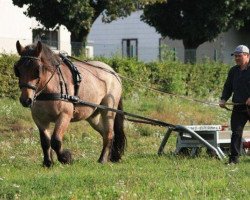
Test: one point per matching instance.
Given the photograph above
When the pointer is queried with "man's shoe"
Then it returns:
(231, 163)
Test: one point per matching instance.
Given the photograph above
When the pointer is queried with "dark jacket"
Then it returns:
(238, 83)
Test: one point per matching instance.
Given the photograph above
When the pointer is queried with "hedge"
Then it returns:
(8, 82)
(194, 80)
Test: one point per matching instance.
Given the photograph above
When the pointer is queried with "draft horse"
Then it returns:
(48, 86)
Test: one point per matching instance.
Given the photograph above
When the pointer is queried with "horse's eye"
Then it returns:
(37, 74)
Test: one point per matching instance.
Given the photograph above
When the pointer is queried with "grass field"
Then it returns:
(141, 174)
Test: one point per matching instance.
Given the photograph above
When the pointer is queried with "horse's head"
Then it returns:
(27, 69)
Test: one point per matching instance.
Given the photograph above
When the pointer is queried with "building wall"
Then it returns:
(220, 49)
(16, 26)
(107, 38)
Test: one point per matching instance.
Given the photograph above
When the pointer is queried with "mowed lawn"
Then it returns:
(141, 174)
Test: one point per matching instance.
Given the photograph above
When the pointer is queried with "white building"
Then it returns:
(128, 37)
(133, 38)
(16, 26)
(220, 49)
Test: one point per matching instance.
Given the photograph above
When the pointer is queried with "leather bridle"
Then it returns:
(35, 87)
(28, 85)
(63, 94)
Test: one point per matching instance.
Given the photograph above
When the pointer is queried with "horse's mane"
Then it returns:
(49, 57)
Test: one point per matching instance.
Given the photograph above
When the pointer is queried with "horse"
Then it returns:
(50, 89)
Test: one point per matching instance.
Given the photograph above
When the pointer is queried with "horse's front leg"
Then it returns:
(64, 156)
(45, 143)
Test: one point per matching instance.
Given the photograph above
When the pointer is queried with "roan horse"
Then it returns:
(49, 88)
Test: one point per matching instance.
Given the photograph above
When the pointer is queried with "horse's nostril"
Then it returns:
(26, 102)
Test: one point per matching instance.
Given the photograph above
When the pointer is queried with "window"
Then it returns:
(130, 48)
(48, 37)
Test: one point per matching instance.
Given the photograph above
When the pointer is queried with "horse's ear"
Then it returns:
(19, 47)
(39, 47)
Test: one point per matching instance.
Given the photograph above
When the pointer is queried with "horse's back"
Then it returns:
(103, 72)
(100, 64)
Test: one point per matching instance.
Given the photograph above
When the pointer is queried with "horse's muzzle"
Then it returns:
(26, 102)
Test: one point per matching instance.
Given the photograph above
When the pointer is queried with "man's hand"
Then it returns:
(248, 102)
(222, 103)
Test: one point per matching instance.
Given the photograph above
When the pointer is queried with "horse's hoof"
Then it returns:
(47, 163)
(65, 157)
(102, 161)
(115, 157)
(115, 160)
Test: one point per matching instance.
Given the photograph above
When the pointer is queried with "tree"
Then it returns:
(78, 15)
(194, 21)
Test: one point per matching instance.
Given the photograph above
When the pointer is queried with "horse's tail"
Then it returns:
(119, 140)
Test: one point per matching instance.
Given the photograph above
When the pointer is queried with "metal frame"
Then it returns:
(181, 130)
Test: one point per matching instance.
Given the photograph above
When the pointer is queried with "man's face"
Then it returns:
(241, 58)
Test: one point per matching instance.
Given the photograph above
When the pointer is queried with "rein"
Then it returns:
(58, 96)
(77, 79)
(238, 104)
(47, 82)
(160, 91)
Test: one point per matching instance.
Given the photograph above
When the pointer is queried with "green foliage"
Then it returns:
(199, 80)
(77, 15)
(169, 76)
(141, 174)
(167, 54)
(8, 81)
(133, 71)
(203, 80)
(196, 21)
(206, 79)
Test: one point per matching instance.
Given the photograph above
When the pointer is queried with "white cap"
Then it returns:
(240, 49)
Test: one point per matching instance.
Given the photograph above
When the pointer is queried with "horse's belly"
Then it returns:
(82, 112)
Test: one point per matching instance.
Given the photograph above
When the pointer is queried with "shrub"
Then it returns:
(133, 72)
(196, 80)
(170, 76)
(8, 81)
(203, 80)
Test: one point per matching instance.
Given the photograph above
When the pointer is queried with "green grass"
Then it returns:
(141, 174)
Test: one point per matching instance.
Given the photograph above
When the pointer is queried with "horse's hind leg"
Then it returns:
(64, 156)
(103, 123)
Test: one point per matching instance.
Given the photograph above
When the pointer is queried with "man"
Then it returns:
(238, 84)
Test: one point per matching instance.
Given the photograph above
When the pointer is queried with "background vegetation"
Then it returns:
(200, 80)
(178, 19)
(141, 174)
(77, 15)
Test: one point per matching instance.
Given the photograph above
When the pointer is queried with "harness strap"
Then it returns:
(75, 73)
(57, 96)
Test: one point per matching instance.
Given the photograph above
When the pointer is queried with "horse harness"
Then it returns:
(63, 95)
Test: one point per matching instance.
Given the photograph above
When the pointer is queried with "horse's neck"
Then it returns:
(53, 79)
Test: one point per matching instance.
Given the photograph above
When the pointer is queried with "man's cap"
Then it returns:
(240, 49)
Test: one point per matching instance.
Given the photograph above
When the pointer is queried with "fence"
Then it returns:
(143, 53)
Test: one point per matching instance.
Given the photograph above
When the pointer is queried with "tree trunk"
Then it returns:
(189, 55)
(79, 42)
(190, 48)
